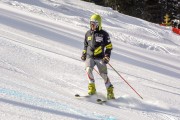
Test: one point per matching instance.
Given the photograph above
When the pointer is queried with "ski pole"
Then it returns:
(126, 81)
(97, 71)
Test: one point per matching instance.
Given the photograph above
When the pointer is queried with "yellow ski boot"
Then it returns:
(91, 89)
(110, 93)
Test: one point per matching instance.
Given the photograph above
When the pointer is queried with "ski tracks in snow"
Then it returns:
(39, 87)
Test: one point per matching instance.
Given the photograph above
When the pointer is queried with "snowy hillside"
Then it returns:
(41, 42)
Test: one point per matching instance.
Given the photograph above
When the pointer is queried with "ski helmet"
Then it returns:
(97, 18)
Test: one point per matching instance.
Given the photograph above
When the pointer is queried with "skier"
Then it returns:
(97, 51)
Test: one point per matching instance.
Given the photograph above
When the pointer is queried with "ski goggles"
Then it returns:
(94, 23)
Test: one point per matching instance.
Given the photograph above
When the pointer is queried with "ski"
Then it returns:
(100, 101)
(79, 96)
(97, 100)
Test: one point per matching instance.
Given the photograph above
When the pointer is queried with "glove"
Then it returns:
(83, 57)
(106, 59)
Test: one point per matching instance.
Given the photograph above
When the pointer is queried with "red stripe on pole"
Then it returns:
(126, 82)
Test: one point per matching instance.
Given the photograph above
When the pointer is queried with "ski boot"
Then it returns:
(110, 93)
(91, 89)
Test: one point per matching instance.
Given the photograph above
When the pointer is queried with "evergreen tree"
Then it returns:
(150, 10)
(167, 21)
(170, 7)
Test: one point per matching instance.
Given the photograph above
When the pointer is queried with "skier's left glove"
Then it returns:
(83, 57)
(106, 59)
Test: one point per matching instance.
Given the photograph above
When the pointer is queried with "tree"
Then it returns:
(150, 10)
(170, 7)
(167, 21)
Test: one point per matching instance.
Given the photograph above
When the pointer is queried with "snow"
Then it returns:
(41, 42)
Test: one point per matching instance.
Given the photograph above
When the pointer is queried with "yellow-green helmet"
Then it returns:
(97, 18)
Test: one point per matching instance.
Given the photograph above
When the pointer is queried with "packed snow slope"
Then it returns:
(41, 42)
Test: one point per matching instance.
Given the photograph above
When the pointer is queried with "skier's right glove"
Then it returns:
(83, 57)
(106, 59)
